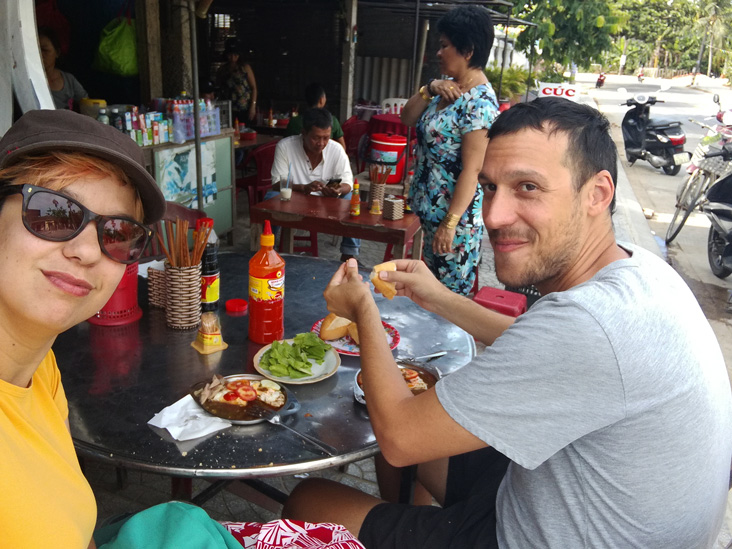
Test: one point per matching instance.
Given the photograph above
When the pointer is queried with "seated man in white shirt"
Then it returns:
(314, 160)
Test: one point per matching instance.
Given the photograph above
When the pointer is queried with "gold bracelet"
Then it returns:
(424, 95)
(451, 220)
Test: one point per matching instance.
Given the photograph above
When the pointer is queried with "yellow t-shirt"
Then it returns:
(45, 501)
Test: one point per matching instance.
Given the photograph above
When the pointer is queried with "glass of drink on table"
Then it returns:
(286, 187)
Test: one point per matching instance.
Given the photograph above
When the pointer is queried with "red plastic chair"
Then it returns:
(259, 183)
(353, 130)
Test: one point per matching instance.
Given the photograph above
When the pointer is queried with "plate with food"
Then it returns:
(244, 398)
(417, 378)
(303, 359)
(342, 334)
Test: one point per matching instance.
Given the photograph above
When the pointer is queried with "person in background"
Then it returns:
(315, 98)
(65, 89)
(237, 82)
(313, 160)
(451, 116)
(609, 396)
(207, 90)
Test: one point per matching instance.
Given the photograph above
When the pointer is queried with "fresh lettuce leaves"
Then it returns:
(283, 359)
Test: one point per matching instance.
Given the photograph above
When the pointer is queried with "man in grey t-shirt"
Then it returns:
(610, 396)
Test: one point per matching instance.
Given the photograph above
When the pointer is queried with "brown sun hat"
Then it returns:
(62, 130)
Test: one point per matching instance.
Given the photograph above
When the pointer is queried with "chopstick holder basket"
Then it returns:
(182, 296)
(156, 287)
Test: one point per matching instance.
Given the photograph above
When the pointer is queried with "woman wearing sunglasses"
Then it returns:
(74, 201)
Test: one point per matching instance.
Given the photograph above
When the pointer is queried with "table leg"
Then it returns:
(400, 250)
(417, 244)
(287, 240)
(255, 231)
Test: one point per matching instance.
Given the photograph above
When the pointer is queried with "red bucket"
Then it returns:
(122, 307)
(388, 149)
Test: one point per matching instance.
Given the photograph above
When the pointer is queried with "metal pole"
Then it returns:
(412, 83)
(503, 54)
(415, 37)
(196, 99)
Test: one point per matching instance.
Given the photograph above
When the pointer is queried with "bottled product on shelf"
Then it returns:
(102, 116)
(266, 291)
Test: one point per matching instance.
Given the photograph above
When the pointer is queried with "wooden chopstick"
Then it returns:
(170, 235)
(162, 247)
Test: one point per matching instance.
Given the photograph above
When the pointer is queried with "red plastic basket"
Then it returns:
(122, 307)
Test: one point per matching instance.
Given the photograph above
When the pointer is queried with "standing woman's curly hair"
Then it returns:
(470, 29)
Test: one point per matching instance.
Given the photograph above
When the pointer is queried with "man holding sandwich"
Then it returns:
(609, 396)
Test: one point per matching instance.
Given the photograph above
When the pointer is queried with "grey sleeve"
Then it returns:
(548, 380)
(76, 90)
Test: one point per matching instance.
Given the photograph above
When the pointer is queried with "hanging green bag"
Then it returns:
(117, 51)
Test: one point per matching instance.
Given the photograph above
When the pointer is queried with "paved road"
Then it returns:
(656, 192)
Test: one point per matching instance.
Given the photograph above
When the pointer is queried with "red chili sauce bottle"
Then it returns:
(266, 291)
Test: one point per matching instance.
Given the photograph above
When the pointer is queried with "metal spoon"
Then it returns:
(423, 358)
(275, 418)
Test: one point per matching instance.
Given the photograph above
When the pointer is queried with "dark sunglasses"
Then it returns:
(54, 216)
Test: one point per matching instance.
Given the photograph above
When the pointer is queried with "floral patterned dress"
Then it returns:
(237, 88)
(438, 165)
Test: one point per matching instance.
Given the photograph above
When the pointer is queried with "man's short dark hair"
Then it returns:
(469, 28)
(590, 149)
(318, 118)
(313, 93)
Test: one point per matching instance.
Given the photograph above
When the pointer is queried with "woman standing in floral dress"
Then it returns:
(452, 116)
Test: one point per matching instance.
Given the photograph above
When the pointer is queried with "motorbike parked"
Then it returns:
(717, 206)
(658, 141)
(600, 80)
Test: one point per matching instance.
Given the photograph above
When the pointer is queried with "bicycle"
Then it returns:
(694, 187)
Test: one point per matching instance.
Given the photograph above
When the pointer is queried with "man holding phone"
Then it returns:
(316, 164)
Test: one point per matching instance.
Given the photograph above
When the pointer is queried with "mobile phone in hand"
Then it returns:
(334, 183)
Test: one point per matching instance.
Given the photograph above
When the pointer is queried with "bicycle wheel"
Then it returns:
(695, 184)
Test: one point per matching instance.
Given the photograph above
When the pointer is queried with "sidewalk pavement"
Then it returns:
(141, 489)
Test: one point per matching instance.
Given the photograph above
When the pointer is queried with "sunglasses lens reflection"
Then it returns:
(54, 217)
(123, 240)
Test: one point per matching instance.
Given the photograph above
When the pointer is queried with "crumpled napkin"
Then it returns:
(185, 420)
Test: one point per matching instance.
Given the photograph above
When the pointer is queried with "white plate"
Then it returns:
(347, 346)
(320, 371)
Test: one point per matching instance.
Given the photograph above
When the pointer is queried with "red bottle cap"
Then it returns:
(267, 238)
(236, 307)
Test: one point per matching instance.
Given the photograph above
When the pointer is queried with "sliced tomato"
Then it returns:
(230, 396)
(409, 374)
(247, 393)
(234, 385)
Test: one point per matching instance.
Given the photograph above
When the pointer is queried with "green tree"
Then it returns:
(568, 31)
(655, 33)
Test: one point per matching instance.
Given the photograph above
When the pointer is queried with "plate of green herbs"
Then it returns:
(303, 359)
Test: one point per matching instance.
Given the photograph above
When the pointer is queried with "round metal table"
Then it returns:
(117, 378)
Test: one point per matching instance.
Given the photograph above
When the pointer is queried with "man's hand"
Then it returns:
(312, 187)
(414, 280)
(335, 190)
(347, 294)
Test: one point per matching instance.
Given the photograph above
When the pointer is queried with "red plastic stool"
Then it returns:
(309, 244)
(502, 301)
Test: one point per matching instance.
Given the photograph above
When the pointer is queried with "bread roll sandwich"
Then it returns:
(334, 327)
(353, 332)
(387, 289)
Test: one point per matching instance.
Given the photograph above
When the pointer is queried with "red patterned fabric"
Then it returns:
(292, 534)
